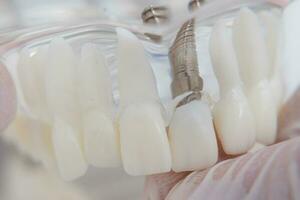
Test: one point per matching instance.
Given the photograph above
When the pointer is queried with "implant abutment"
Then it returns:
(155, 14)
(183, 59)
(195, 4)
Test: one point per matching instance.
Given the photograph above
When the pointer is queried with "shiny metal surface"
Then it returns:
(183, 59)
(155, 14)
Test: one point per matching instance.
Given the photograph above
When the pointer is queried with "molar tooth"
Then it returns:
(254, 66)
(233, 118)
(144, 143)
(61, 95)
(101, 142)
(192, 137)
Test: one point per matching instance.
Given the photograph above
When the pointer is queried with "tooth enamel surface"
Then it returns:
(32, 138)
(30, 73)
(62, 100)
(254, 66)
(271, 23)
(136, 80)
(144, 143)
(101, 142)
(67, 150)
(233, 118)
(192, 138)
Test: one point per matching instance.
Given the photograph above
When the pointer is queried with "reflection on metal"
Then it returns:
(195, 4)
(183, 59)
(155, 14)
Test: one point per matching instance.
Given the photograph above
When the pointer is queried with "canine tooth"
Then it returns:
(30, 71)
(192, 137)
(144, 143)
(254, 66)
(250, 48)
(101, 142)
(233, 118)
(67, 151)
(61, 94)
(271, 23)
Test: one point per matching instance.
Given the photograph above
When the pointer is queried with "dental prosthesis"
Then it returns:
(75, 117)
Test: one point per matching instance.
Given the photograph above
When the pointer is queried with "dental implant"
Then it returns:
(155, 14)
(184, 62)
(183, 58)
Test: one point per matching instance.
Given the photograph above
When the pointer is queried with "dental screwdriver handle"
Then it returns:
(184, 62)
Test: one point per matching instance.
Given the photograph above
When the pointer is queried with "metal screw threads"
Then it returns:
(155, 14)
(195, 4)
(183, 59)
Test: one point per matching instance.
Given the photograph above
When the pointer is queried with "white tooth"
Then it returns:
(192, 138)
(33, 138)
(61, 94)
(67, 150)
(101, 142)
(233, 118)
(254, 66)
(271, 23)
(135, 70)
(30, 71)
(144, 142)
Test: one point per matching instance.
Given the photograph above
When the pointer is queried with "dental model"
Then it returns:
(144, 143)
(31, 75)
(255, 70)
(101, 142)
(191, 132)
(62, 101)
(271, 23)
(233, 119)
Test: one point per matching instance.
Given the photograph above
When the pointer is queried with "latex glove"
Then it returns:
(270, 173)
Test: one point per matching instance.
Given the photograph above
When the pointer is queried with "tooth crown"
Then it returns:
(191, 129)
(144, 145)
(256, 70)
(72, 106)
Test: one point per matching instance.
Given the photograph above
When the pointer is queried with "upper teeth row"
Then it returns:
(73, 110)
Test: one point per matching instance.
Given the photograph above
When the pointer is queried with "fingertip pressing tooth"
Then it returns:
(144, 144)
(192, 138)
(67, 151)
